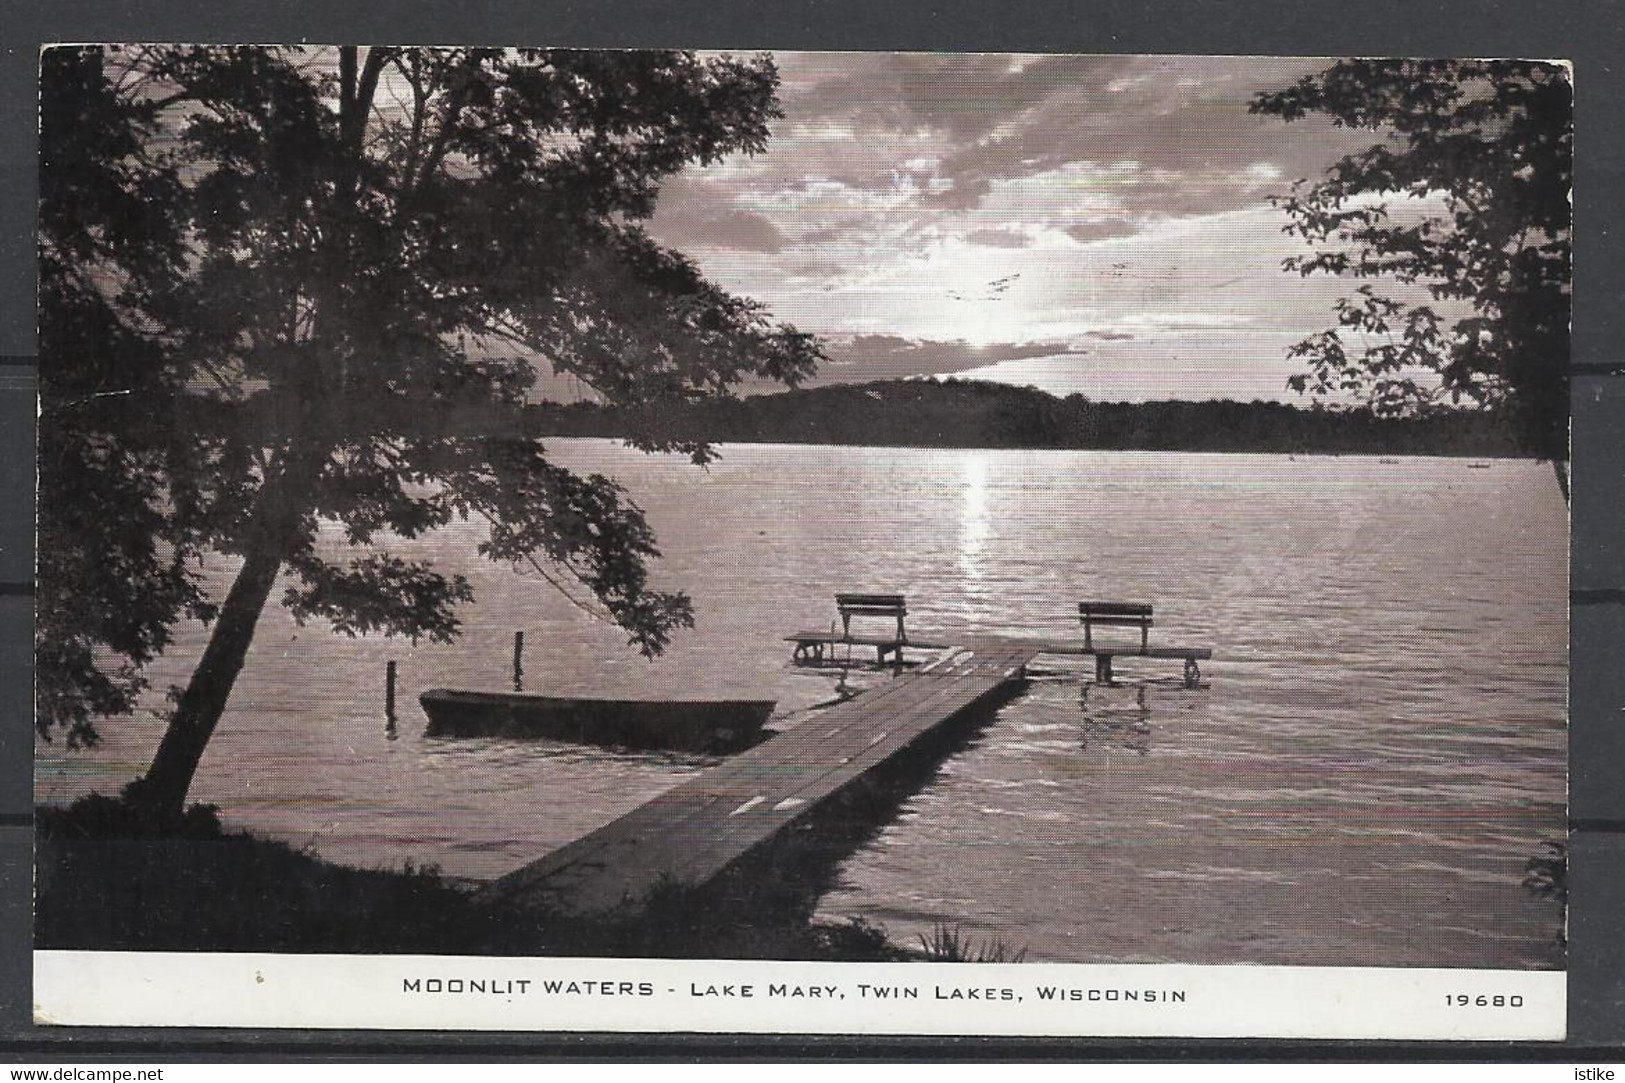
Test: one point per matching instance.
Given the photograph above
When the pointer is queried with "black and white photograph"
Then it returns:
(1023, 537)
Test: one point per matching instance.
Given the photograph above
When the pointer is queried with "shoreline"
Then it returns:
(240, 893)
(981, 415)
(1383, 457)
(203, 889)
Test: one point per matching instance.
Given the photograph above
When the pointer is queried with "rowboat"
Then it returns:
(683, 725)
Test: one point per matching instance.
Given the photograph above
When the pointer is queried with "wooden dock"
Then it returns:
(689, 835)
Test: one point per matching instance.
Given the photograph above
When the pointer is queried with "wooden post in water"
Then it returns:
(519, 661)
(389, 696)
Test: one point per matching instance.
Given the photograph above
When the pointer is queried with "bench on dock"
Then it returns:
(871, 605)
(811, 646)
(1118, 614)
(1131, 615)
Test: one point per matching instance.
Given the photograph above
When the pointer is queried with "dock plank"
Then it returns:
(748, 827)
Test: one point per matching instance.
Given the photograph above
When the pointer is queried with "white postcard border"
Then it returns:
(396, 992)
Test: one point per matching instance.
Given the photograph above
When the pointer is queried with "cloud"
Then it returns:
(1101, 229)
(1092, 146)
(960, 96)
(1185, 116)
(856, 358)
(1123, 198)
(998, 238)
(702, 226)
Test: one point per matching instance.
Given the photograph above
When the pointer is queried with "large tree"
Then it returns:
(1466, 198)
(282, 287)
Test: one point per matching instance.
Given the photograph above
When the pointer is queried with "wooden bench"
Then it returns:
(1131, 615)
(871, 605)
(810, 646)
(1116, 614)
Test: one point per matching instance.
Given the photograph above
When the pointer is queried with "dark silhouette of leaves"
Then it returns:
(288, 286)
(1479, 156)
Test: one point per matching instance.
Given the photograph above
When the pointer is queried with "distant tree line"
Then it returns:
(969, 413)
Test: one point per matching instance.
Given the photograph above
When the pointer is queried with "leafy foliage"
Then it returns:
(949, 944)
(1547, 874)
(96, 818)
(1468, 199)
(283, 287)
(114, 562)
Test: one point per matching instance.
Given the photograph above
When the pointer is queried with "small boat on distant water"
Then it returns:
(714, 726)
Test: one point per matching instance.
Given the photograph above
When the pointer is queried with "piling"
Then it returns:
(519, 661)
(389, 695)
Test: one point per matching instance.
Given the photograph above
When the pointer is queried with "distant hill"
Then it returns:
(979, 414)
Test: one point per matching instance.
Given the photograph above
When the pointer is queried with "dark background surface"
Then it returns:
(1591, 33)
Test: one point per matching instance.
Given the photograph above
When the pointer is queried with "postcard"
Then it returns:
(807, 543)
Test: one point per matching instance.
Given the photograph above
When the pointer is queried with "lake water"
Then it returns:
(1379, 747)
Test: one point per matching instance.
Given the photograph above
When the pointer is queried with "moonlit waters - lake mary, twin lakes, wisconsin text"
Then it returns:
(1378, 749)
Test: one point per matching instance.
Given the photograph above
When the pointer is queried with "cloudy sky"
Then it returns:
(1094, 224)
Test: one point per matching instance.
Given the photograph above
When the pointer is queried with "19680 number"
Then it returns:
(1464, 1000)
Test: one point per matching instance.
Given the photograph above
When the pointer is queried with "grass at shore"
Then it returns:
(102, 884)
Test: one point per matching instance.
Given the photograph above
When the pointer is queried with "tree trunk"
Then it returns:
(162, 792)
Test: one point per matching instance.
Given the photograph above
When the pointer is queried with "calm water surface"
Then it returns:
(1379, 747)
